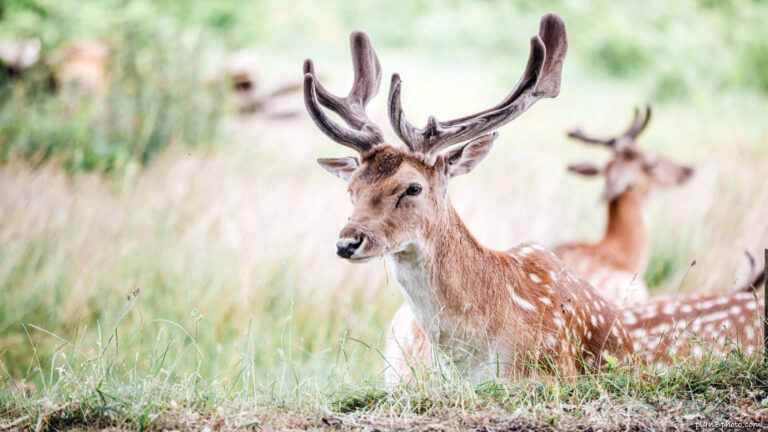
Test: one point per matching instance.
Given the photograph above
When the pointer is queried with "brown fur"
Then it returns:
(381, 163)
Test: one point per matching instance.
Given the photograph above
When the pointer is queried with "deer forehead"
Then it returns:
(389, 166)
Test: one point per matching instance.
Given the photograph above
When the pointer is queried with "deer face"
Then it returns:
(634, 171)
(398, 196)
(630, 169)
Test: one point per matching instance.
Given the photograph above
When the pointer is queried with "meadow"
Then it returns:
(168, 263)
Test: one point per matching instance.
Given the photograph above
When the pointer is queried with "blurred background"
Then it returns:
(159, 197)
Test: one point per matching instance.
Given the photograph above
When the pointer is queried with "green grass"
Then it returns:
(113, 387)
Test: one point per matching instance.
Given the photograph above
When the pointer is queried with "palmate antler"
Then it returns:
(362, 134)
(541, 79)
(638, 124)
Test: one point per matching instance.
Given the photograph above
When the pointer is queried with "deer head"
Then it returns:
(399, 193)
(631, 169)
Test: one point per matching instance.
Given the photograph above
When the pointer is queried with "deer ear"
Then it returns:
(585, 169)
(667, 173)
(342, 168)
(465, 158)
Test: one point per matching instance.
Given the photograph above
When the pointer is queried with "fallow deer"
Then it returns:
(486, 310)
(667, 328)
(82, 65)
(250, 94)
(616, 263)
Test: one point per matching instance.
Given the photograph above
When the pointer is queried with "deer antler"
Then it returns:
(638, 123)
(362, 134)
(756, 275)
(541, 79)
(635, 128)
(579, 135)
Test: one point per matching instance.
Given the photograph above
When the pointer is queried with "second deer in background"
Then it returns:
(615, 264)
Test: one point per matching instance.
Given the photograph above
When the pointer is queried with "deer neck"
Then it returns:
(449, 280)
(626, 233)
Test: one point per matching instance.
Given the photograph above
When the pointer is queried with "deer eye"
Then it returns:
(413, 190)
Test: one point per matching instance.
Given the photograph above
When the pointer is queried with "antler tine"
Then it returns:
(638, 123)
(362, 134)
(367, 68)
(579, 135)
(541, 79)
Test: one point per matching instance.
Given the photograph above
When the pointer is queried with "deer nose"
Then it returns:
(346, 247)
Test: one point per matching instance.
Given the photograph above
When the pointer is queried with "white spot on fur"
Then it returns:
(534, 277)
(629, 318)
(716, 316)
(520, 301)
(551, 341)
(546, 301)
(723, 300)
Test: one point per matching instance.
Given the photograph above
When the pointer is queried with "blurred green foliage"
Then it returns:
(156, 92)
(161, 50)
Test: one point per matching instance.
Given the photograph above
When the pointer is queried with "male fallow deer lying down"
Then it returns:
(488, 311)
(616, 263)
